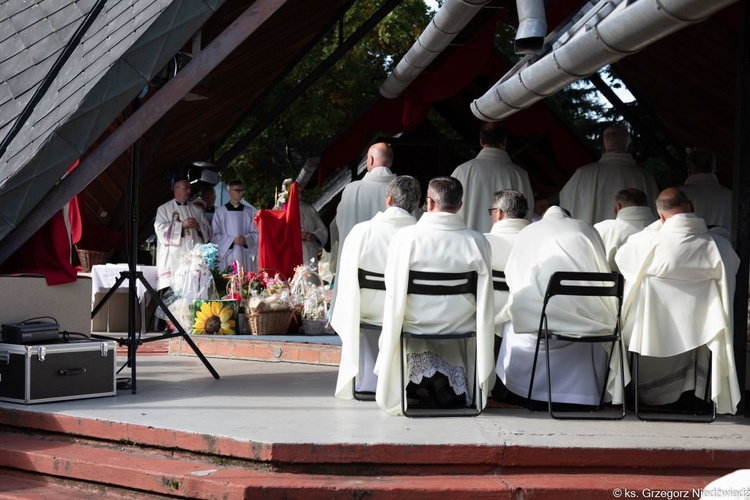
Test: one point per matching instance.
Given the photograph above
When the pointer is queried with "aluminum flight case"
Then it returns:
(57, 371)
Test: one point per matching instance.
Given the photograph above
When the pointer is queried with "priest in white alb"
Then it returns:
(711, 200)
(491, 171)
(589, 193)
(366, 248)
(557, 243)
(508, 214)
(632, 215)
(179, 225)
(680, 282)
(439, 242)
(235, 232)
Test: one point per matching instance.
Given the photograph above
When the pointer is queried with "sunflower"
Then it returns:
(214, 319)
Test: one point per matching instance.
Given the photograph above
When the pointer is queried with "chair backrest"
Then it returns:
(498, 281)
(600, 285)
(371, 279)
(436, 283)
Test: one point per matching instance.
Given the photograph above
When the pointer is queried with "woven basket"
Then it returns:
(270, 322)
(91, 258)
(314, 326)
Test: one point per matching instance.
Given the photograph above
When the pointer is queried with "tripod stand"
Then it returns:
(133, 275)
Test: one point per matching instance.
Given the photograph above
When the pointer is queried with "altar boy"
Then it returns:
(234, 231)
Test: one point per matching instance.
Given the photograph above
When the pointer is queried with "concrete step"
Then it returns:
(75, 468)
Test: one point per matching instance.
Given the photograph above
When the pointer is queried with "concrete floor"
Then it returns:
(293, 403)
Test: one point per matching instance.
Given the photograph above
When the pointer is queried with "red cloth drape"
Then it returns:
(280, 236)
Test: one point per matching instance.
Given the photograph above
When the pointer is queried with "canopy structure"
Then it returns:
(70, 70)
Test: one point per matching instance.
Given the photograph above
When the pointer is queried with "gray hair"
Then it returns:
(405, 192)
(512, 203)
(672, 199)
(446, 192)
(616, 138)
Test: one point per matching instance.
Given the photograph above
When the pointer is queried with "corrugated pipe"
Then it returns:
(308, 169)
(626, 30)
(447, 23)
(532, 27)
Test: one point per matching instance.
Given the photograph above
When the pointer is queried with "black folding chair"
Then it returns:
(498, 281)
(599, 285)
(372, 281)
(435, 283)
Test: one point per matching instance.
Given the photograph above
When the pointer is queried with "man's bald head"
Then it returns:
(379, 155)
(673, 201)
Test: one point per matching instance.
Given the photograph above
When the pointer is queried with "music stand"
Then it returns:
(133, 275)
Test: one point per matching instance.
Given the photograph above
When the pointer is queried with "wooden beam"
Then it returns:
(140, 121)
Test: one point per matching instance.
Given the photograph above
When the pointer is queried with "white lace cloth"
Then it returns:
(426, 364)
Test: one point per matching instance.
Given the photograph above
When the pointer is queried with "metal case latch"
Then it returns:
(41, 353)
(5, 357)
(103, 349)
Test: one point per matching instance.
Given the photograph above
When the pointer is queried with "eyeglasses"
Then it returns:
(490, 210)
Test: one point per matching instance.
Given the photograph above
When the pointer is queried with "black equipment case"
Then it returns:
(57, 371)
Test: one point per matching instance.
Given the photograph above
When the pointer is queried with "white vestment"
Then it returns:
(439, 242)
(310, 222)
(365, 248)
(172, 241)
(491, 171)
(712, 202)
(615, 232)
(557, 243)
(590, 193)
(227, 225)
(679, 292)
(501, 239)
(361, 200)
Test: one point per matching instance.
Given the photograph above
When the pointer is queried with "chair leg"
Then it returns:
(533, 371)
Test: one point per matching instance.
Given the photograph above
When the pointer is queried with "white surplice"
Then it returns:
(310, 222)
(501, 238)
(590, 193)
(361, 200)
(366, 248)
(679, 291)
(615, 232)
(712, 202)
(491, 171)
(172, 241)
(439, 242)
(227, 225)
(557, 243)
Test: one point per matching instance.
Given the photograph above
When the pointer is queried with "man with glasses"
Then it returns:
(179, 225)
(235, 231)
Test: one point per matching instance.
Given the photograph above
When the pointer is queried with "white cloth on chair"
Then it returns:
(679, 292)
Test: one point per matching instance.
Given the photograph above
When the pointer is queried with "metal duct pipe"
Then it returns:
(447, 23)
(308, 169)
(532, 27)
(627, 29)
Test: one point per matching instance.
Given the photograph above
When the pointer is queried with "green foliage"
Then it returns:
(336, 99)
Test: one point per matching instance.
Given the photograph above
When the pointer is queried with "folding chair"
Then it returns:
(559, 284)
(435, 283)
(373, 281)
(498, 281)
(664, 416)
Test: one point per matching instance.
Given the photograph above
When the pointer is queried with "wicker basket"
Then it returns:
(314, 326)
(91, 258)
(274, 322)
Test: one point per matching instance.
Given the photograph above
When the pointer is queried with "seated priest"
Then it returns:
(439, 242)
(366, 248)
(632, 214)
(508, 215)
(556, 243)
(680, 282)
